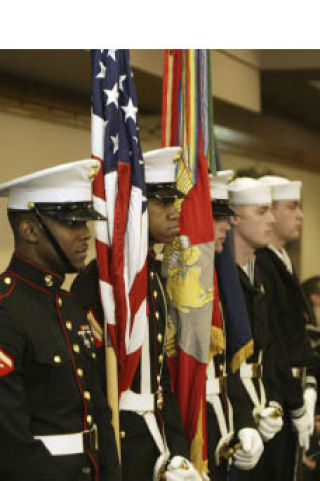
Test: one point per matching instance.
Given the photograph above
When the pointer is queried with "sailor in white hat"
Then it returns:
(290, 314)
(286, 208)
(253, 221)
(227, 402)
(54, 418)
(251, 227)
(54, 197)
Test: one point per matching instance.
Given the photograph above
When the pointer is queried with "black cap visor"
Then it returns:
(70, 211)
(164, 191)
(221, 208)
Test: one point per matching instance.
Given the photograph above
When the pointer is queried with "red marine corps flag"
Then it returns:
(189, 261)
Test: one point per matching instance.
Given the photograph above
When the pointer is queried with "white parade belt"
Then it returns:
(251, 370)
(76, 443)
(215, 385)
(140, 403)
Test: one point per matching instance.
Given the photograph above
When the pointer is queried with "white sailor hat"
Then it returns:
(248, 191)
(63, 191)
(219, 192)
(282, 188)
(160, 172)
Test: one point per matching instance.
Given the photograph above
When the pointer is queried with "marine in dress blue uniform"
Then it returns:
(54, 420)
(153, 442)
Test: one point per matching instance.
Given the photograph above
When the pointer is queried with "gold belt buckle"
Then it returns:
(90, 439)
(298, 372)
(226, 452)
(256, 370)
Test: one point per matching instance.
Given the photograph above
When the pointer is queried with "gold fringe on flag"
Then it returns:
(241, 356)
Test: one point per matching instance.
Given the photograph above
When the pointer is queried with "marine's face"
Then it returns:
(254, 224)
(163, 220)
(73, 238)
(288, 216)
(221, 227)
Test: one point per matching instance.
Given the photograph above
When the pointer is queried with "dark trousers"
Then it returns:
(138, 456)
(280, 454)
(139, 452)
(255, 474)
(277, 460)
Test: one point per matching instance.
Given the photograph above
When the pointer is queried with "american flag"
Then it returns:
(119, 192)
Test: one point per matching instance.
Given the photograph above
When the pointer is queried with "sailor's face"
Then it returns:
(163, 220)
(253, 223)
(221, 227)
(73, 238)
(288, 216)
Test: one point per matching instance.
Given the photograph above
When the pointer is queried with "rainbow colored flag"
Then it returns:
(189, 262)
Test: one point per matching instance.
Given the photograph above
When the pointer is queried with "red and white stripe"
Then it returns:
(121, 244)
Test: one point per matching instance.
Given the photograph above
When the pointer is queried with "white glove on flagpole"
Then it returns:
(302, 426)
(224, 440)
(160, 465)
(252, 447)
(269, 422)
(310, 399)
(180, 469)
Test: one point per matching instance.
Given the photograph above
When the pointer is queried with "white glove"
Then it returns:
(252, 447)
(270, 423)
(180, 469)
(302, 427)
(310, 399)
(204, 476)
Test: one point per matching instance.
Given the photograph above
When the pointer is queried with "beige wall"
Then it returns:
(236, 78)
(235, 74)
(29, 144)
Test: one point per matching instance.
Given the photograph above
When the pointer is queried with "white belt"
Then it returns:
(143, 403)
(140, 403)
(250, 370)
(225, 423)
(213, 386)
(76, 443)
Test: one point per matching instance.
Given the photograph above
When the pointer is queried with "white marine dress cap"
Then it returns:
(160, 172)
(59, 188)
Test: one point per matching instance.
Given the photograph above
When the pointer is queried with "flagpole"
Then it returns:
(112, 391)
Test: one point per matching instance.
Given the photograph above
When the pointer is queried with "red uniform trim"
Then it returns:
(74, 366)
(6, 363)
(38, 266)
(30, 283)
(9, 292)
(95, 466)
